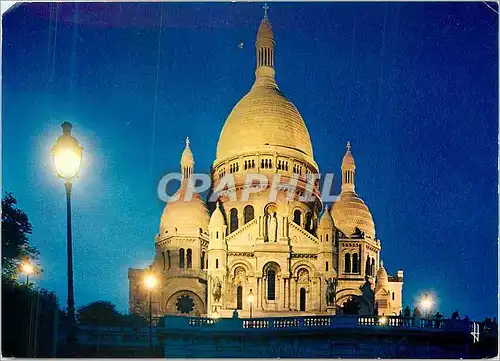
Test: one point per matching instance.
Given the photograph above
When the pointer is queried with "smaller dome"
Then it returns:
(326, 221)
(217, 218)
(382, 280)
(350, 212)
(185, 216)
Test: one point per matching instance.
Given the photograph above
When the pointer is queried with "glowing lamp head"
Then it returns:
(150, 282)
(382, 320)
(27, 268)
(426, 302)
(250, 297)
(67, 154)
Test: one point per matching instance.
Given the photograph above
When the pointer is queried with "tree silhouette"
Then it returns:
(99, 313)
(15, 231)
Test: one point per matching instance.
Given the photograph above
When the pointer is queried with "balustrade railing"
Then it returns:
(135, 336)
(340, 321)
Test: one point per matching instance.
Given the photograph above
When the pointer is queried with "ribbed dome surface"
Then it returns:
(350, 212)
(263, 117)
(185, 216)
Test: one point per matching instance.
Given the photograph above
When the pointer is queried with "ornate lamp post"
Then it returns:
(250, 300)
(67, 155)
(28, 269)
(150, 281)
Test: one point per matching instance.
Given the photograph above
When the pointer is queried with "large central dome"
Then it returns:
(264, 117)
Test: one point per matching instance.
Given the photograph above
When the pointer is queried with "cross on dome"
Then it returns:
(348, 147)
(187, 141)
(265, 7)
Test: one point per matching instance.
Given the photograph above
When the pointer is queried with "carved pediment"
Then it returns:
(245, 235)
(299, 236)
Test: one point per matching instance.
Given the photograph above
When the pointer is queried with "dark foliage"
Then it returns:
(29, 321)
(99, 313)
(15, 231)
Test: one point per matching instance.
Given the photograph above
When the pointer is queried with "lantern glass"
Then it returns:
(67, 154)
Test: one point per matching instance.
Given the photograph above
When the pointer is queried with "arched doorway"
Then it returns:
(302, 299)
(239, 298)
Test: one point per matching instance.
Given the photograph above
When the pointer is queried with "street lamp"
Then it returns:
(250, 300)
(67, 155)
(150, 282)
(28, 269)
(426, 304)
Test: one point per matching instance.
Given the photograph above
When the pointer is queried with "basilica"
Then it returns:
(262, 258)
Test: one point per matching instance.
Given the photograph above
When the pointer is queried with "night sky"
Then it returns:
(413, 86)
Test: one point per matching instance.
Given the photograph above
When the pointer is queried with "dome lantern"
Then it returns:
(264, 51)
(187, 161)
(348, 168)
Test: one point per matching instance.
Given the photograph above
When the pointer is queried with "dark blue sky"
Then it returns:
(413, 86)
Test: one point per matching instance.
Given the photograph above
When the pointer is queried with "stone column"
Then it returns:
(293, 293)
(262, 292)
(260, 226)
(283, 233)
(286, 294)
(257, 293)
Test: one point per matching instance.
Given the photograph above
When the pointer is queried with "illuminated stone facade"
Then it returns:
(293, 256)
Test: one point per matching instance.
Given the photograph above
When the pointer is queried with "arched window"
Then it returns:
(189, 256)
(308, 225)
(347, 263)
(233, 223)
(168, 259)
(355, 263)
(297, 214)
(373, 267)
(327, 237)
(239, 298)
(248, 213)
(326, 266)
(216, 263)
(164, 261)
(271, 285)
(202, 263)
(181, 258)
(367, 266)
(393, 295)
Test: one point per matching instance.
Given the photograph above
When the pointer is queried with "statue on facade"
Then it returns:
(331, 289)
(272, 227)
(217, 290)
